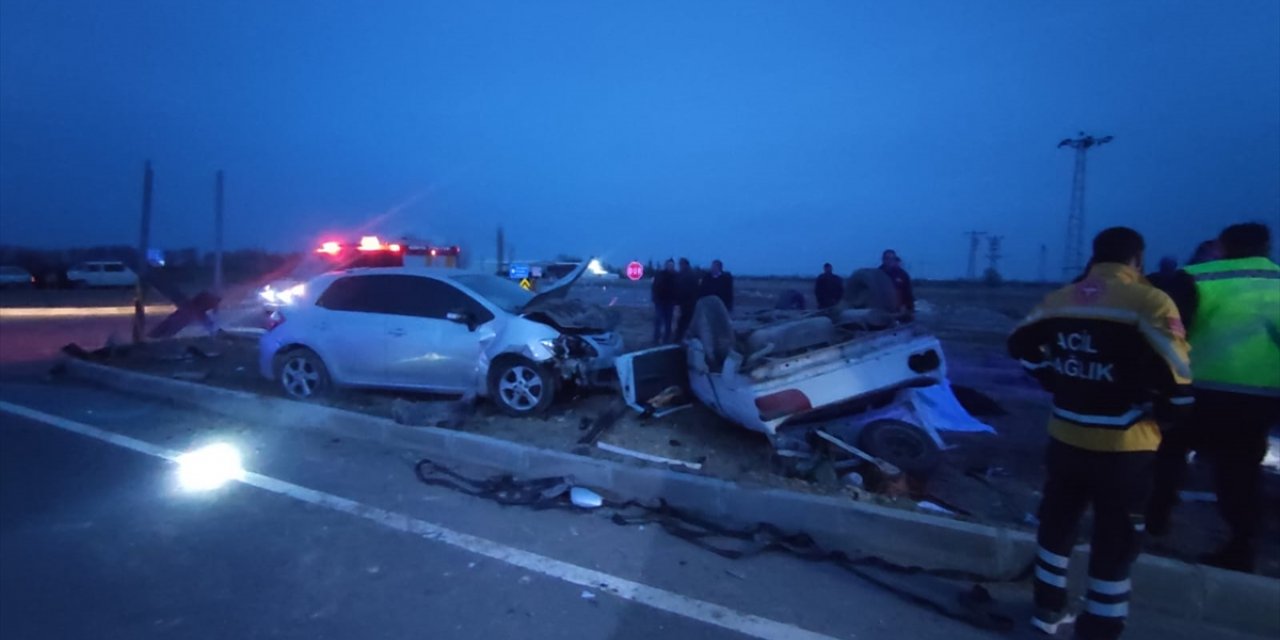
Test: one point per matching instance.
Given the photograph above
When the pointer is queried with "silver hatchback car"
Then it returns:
(438, 330)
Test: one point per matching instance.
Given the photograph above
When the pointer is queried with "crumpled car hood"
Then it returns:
(571, 315)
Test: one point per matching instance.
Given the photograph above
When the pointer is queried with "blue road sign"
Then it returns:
(518, 272)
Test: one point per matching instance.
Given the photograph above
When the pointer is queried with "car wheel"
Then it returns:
(902, 444)
(302, 375)
(521, 387)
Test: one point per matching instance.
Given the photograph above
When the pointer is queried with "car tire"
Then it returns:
(302, 374)
(901, 444)
(521, 387)
(871, 289)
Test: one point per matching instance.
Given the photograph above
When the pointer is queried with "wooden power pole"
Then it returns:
(144, 242)
(217, 235)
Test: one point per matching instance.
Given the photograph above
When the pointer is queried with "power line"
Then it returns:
(1073, 259)
(975, 240)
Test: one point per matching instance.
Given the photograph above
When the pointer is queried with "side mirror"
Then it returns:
(462, 317)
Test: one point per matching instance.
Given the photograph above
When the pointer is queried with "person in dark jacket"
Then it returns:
(891, 264)
(1180, 286)
(686, 296)
(828, 288)
(719, 283)
(665, 297)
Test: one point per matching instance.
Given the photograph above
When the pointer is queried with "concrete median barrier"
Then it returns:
(1195, 593)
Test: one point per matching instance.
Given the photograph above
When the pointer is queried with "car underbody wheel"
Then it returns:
(902, 444)
(302, 374)
(520, 386)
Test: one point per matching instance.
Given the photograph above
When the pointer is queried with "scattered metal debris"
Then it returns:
(648, 457)
(888, 469)
(605, 420)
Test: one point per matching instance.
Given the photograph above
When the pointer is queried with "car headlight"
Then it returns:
(292, 293)
(268, 295)
(570, 347)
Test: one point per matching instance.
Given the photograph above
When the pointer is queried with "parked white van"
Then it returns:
(101, 274)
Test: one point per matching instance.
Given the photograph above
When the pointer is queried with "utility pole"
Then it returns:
(1044, 263)
(144, 242)
(1073, 259)
(502, 252)
(975, 239)
(217, 235)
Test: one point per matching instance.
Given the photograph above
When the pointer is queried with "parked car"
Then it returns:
(101, 274)
(13, 277)
(438, 330)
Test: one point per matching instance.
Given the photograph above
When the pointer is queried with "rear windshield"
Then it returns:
(502, 293)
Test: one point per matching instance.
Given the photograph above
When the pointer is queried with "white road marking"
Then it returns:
(27, 313)
(669, 601)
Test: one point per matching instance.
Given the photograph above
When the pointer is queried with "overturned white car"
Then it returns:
(856, 374)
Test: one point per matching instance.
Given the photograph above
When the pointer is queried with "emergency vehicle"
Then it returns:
(368, 251)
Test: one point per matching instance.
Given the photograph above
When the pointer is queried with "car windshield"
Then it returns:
(502, 293)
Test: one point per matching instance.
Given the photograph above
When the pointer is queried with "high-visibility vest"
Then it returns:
(1235, 337)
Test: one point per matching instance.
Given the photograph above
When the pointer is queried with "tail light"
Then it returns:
(782, 403)
(275, 319)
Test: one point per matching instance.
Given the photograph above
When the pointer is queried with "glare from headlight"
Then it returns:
(267, 294)
(209, 467)
(288, 295)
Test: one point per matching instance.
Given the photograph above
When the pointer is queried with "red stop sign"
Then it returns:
(635, 270)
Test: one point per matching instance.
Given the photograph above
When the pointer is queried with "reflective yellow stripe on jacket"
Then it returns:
(1235, 338)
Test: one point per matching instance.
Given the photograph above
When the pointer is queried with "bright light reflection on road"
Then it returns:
(209, 467)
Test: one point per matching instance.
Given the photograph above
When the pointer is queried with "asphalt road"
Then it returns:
(97, 540)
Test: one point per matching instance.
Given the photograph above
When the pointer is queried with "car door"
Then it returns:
(114, 275)
(349, 330)
(428, 350)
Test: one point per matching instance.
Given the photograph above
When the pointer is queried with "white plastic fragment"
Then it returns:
(585, 498)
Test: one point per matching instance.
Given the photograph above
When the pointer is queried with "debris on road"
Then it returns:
(585, 498)
(446, 414)
(647, 457)
(925, 505)
(604, 421)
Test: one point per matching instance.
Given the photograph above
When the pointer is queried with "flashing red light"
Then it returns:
(433, 253)
(370, 243)
(395, 248)
(331, 248)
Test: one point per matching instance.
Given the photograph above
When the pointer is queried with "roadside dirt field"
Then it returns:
(984, 478)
